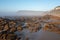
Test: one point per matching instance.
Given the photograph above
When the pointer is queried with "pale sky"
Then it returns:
(36, 5)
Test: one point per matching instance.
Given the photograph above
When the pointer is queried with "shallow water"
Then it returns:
(42, 35)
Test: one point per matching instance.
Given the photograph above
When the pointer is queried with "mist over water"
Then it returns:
(23, 13)
(8, 14)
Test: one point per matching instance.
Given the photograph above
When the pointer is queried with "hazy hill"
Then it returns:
(31, 13)
(55, 12)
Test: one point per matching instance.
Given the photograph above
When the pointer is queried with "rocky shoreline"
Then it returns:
(18, 28)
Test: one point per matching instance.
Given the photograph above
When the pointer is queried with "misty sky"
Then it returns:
(37, 5)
